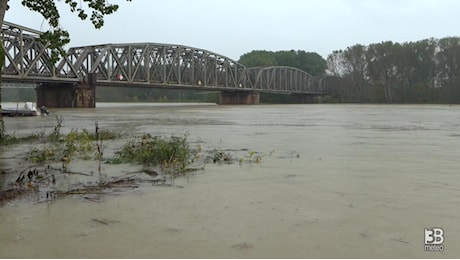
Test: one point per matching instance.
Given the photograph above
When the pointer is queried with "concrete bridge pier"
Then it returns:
(239, 98)
(68, 95)
(305, 98)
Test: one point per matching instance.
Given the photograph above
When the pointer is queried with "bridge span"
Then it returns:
(71, 82)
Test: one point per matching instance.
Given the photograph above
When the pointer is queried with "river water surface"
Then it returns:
(343, 181)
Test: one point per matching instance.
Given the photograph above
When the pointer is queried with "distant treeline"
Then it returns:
(426, 71)
(310, 62)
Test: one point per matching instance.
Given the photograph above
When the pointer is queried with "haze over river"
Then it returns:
(343, 181)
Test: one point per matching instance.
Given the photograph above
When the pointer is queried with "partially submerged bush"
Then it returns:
(64, 149)
(42, 155)
(171, 154)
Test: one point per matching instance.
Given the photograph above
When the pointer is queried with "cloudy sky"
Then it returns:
(234, 27)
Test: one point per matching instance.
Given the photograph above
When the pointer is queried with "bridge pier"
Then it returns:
(68, 95)
(239, 98)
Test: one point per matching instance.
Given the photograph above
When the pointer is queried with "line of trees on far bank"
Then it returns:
(310, 62)
(426, 71)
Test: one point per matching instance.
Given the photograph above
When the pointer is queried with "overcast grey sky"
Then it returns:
(234, 27)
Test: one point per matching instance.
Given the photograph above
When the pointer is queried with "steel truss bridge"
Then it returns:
(27, 59)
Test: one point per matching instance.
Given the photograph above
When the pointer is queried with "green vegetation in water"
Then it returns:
(172, 154)
(64, 148)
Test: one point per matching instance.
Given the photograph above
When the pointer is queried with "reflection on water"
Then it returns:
(344, 181)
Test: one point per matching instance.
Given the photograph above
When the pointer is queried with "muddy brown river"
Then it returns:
(342, 181)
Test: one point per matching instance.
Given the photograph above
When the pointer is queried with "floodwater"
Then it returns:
(343, 181)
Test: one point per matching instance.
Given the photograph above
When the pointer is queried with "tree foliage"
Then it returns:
(426, 71)
(309, 62)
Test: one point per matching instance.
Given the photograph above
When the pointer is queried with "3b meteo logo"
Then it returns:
(434, 238)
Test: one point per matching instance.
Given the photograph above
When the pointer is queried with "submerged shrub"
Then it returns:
(41, 155)
(75, 143)
(170, 153)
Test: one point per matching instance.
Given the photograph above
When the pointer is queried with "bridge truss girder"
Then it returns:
(159, 65)
(283, 79)
(28, 59)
